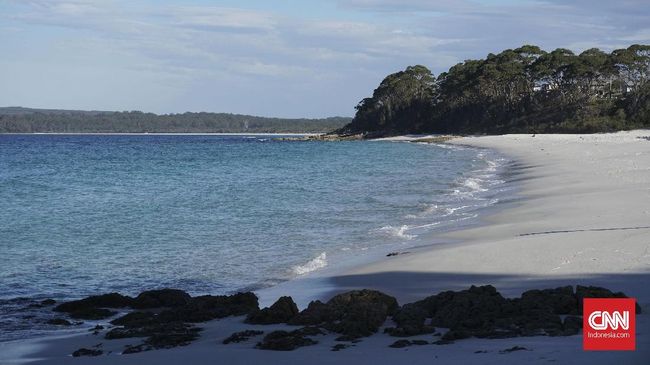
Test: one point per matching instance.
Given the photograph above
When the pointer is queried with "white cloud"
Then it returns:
(340, 56)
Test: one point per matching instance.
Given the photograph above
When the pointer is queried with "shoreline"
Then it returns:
(568, 182)
(541, 181)
(157, 134)
(321, 284)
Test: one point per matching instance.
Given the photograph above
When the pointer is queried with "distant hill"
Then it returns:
(27, 120)
(522, 90)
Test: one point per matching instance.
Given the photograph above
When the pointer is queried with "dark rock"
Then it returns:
(135, 319)
(42, 303)
(513, 349)
(171, 328)
(483, 312)
(410, 320)
(359, 320)
(538, 322)
(284, 341)
(405, 343)
(92, 313)
(59, 322)
(208, 307)
(310, 331)
(161, 298)
(560, 300)
(400, 343)
(354, 314)
(282, 311)
(343, 301)
(134, 349)
(396, 253)
(340, 346)
(360, 313)
(456, 334)
(346, 338)
(443, 342)
(241, 336)
(316, 313)
(87, 352)
(468, 308)
(572, 325)
(48, 302)
(166, 340)
(166, 335)
(149, 330)
(112, 300)
(598, 292)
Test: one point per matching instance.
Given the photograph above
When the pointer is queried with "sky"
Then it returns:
(284, 58)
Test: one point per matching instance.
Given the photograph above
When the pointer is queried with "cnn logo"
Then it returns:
(600, 320)
(608, 324)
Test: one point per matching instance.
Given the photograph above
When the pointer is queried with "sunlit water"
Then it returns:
(83, 215)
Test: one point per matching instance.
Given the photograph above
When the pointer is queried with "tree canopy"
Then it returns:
(515, 91)
(23, 120)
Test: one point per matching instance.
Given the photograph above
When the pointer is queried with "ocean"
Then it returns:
(90, 214)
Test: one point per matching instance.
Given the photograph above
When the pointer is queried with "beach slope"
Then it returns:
(581, 216)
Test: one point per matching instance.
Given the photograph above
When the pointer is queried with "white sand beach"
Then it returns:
(582, 216)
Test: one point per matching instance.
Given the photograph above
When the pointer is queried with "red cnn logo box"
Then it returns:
(608, 324)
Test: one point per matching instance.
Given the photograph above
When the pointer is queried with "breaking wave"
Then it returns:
(318, 262)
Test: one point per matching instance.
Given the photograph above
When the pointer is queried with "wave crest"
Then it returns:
(399, 232)
(318, 262)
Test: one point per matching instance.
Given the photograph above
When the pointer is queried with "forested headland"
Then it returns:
(25, 120)
(523, 90)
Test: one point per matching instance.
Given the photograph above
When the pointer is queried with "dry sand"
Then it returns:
(582, 217)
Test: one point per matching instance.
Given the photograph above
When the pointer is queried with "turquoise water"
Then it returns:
(214, 214)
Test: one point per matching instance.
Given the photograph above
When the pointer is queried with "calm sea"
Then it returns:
(213, 214)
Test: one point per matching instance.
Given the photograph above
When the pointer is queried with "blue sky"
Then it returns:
(274, 58)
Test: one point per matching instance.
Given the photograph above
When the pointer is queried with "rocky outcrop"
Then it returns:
(135, 319)
(598, 292)
(282, 311)
(285, 341)
(405, 343)
(209, 307)
(87, 352)
(59, 322)
(559, 301)
(111, 300)
(316, 313)
(354, 314)
(165, 317)
(92, 313)
(160, 298)
(241, 336)
(483, 312)
(411, 320)
(172, 327)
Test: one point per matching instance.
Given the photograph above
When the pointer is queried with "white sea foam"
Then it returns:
(318, 262)
(450, 211)
(474, 183)
(399, 232)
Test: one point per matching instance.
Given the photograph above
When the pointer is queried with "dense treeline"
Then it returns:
(23, 120)
(523, 90)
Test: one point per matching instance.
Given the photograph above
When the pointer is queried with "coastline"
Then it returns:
(569, 183)
(160, 134)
